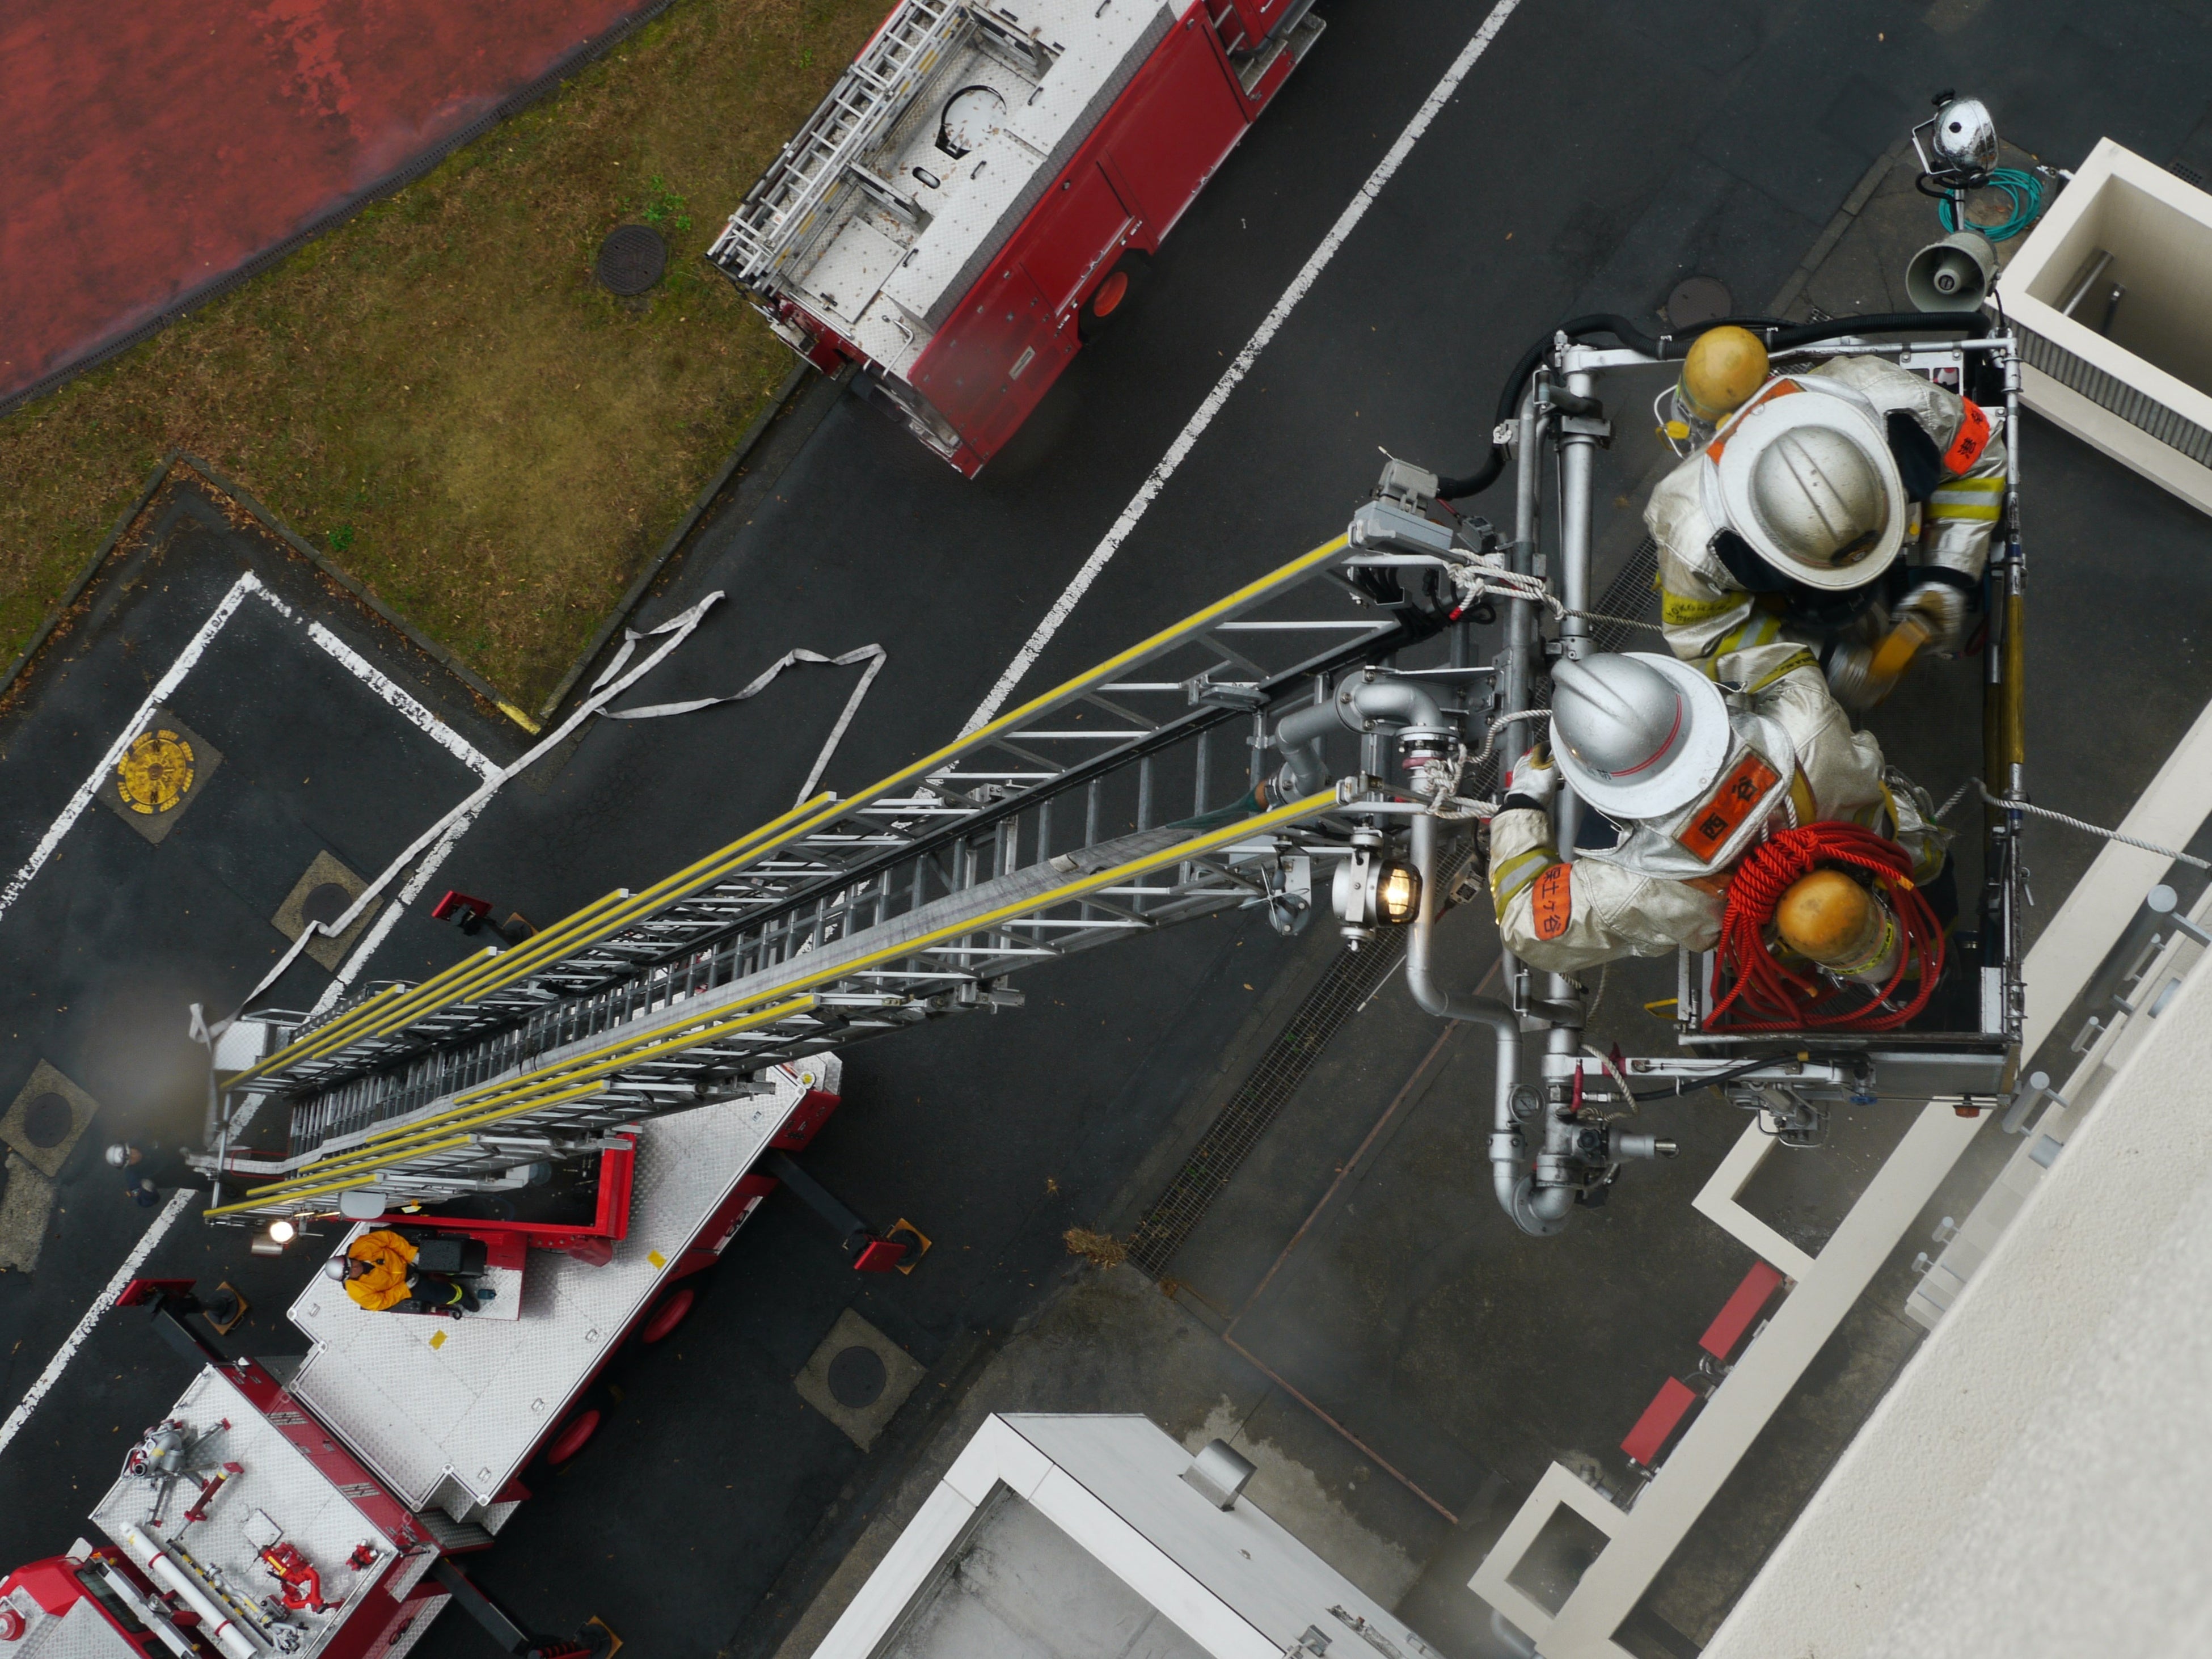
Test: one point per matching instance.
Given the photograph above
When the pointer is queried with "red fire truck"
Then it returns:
(309, 1508)
(973, 198)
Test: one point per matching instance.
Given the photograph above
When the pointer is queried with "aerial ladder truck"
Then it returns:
(976, 195)
(1325, 738)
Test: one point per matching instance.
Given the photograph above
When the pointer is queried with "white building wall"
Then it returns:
(1231, 1583)
(2034, 1483)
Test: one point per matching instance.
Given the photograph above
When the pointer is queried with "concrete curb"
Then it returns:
(784, 395)
(1824, 243)
(84, 575)
(429, 648)
(74, 597)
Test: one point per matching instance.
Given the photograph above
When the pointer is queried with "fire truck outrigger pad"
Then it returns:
(972, 199)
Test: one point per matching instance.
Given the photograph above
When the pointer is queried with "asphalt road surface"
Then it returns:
(1595, 157)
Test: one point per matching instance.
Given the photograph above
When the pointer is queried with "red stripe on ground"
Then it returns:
(154, 146)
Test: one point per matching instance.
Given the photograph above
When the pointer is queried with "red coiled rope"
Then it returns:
(1776, 998)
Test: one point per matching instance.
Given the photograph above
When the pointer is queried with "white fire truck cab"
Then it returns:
(973, 198)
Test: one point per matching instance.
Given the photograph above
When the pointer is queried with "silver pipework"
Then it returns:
(1368, 701)
(1538, 1212)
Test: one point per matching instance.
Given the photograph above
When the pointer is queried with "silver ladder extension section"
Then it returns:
(779, 215)
(1134, 796)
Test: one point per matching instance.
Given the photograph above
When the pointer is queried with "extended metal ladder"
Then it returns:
(1123, 800)
(778, 215)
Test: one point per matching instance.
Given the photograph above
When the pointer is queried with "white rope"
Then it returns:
(1611, 1070)
(2089, 829)
(1490, 738)
(1957, 795)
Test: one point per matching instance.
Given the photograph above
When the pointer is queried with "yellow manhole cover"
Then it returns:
(155, 773)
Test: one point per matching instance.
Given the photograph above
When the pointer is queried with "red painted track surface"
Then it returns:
(150, 146)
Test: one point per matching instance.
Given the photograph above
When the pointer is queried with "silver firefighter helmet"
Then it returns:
(1637, 735)
(1808, 482)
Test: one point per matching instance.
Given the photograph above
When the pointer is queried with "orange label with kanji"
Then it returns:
(1551, 901)
(1725, 810)
(1973, 438)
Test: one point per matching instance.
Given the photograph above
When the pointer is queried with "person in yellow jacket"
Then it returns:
(378, 1272)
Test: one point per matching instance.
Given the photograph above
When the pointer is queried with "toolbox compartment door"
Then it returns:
(1165, 139)
(1066, 245)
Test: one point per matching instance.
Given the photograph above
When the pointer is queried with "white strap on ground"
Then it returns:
(1339, 234)
(437, 839)
(874, 655)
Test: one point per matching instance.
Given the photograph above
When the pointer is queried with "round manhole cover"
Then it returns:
(857, 1378)
(326, 902)
(632, 258)
(47, 1120)
(1697, 299)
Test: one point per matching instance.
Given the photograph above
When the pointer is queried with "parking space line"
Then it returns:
(46, 1379)
(247, 583)
(410, 710)
(403, 702)
(1178, 452)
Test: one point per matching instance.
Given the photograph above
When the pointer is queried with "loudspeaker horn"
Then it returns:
(1953, 274)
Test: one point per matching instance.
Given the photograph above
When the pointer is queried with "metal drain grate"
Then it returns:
(1347, 983)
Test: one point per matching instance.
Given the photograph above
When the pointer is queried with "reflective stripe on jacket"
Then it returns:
(1705, 611)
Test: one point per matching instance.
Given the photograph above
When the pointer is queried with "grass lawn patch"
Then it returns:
(438, 393)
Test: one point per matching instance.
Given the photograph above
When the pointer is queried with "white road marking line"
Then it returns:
(413, 712)
(388, 689)
(1234, 374)
(247, 583)
(408, 707)
(123, 1274)
(342, 981)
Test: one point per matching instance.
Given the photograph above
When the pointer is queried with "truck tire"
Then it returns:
(573, 1435)
(664, 1318)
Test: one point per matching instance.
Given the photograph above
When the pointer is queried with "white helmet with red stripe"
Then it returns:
(1806, 477)
(1637, 735)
